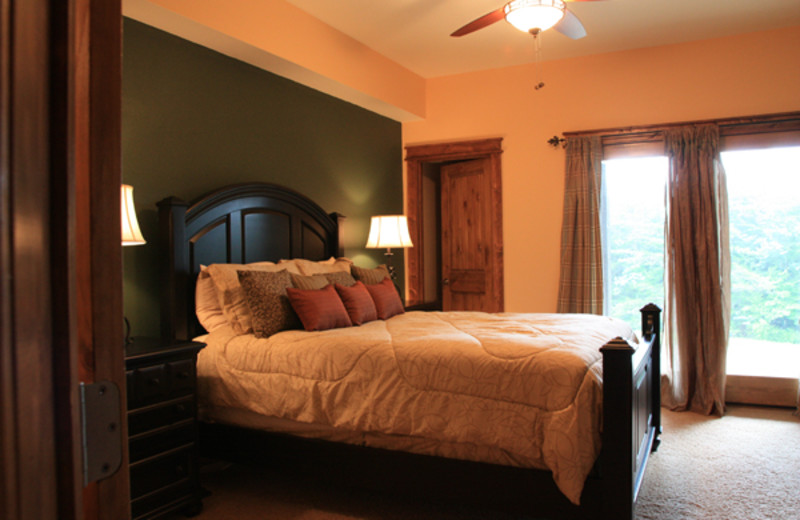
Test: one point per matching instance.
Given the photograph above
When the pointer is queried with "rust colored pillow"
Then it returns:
(358, 303)
(387, 300)
(319, 309)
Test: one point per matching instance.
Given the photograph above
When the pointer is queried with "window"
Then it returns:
(761, 157)
(764, 220)
(632, 213)
(764, 217)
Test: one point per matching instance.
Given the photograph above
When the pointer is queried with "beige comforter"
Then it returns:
(516, 389)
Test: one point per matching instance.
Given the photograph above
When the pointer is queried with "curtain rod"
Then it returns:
(789, 120)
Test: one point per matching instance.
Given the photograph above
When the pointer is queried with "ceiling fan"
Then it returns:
(532, 16)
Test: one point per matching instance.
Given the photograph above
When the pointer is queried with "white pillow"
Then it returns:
(206, 302)
(331, 265)
(230, 294)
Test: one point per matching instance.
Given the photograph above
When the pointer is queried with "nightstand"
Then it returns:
(162, 427)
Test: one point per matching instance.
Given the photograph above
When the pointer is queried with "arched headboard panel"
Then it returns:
(238, 224)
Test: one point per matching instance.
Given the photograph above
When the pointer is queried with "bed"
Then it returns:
(609, 419)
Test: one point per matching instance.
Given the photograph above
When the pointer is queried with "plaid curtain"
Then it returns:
(697, 278)
(581, 282)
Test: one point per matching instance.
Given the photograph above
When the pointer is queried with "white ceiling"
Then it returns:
(415, 33)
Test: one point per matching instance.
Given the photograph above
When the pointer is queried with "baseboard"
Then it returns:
(768, 391)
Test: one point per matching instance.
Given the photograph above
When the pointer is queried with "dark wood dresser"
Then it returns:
(162, 427)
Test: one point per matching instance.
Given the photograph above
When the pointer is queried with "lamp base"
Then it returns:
(389, 267)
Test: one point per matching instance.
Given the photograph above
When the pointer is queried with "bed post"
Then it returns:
(338, 218)
(175, 271)
(631, 415)
(616, 465)
(651, 325)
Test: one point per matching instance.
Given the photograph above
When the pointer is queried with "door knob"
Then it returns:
(446, 281)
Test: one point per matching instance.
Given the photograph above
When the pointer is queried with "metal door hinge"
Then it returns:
(101, 430)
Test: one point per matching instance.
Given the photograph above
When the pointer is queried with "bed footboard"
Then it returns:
(631, 414)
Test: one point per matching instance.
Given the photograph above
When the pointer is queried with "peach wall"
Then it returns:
(728, 77)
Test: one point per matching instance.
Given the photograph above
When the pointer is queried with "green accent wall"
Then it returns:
(194, 120)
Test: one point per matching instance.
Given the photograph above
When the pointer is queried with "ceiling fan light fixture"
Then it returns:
(533, 15)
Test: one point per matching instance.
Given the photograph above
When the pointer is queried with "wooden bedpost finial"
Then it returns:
(617, 343)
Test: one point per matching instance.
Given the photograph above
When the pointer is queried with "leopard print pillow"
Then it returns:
(265, 293)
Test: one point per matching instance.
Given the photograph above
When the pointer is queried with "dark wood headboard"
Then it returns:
(237, 224)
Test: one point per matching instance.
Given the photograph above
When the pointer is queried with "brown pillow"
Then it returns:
(358, 303)
(319, 309)
(309, 283)
(318, 281)
(340, 277)
(265, 293)
(370, 276)
(387, 301)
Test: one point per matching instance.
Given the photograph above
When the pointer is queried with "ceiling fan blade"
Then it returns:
(570, 26)
(480, 23)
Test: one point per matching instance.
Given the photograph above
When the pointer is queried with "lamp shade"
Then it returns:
(531, 15)
(131, 235)
(389, 231)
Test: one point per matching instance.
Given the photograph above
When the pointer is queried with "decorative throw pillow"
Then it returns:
(270, 309)
(318, 281)
(319, 309)
(231, 295)
(370, 276)
(358, 303)
(340, 277)
(309, 283)
(387, 300)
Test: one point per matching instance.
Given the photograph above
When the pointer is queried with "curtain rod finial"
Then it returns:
(555, 141)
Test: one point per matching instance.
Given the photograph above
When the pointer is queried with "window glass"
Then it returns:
(764, 216)
(633, 224)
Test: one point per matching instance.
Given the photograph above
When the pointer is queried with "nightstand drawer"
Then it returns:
(160, 382)
(149, 444)
(163, 500)
(181, 377)
(158, 416)
(170, 468)
(149, 385)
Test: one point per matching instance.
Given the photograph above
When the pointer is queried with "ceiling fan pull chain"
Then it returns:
(537, 60)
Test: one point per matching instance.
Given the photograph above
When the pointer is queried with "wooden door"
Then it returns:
(431, 158)
(61, 284)
(467, 237)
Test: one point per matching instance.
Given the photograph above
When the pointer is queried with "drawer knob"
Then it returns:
(154, 381)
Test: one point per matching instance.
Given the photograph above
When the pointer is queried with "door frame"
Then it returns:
(60, 253)
(419, 156)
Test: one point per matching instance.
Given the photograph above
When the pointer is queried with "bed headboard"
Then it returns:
(238, 224)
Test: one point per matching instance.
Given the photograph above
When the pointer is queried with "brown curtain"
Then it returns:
(697, 278)
(581, 284)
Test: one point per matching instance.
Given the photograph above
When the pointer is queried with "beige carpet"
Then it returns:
(743, 466)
